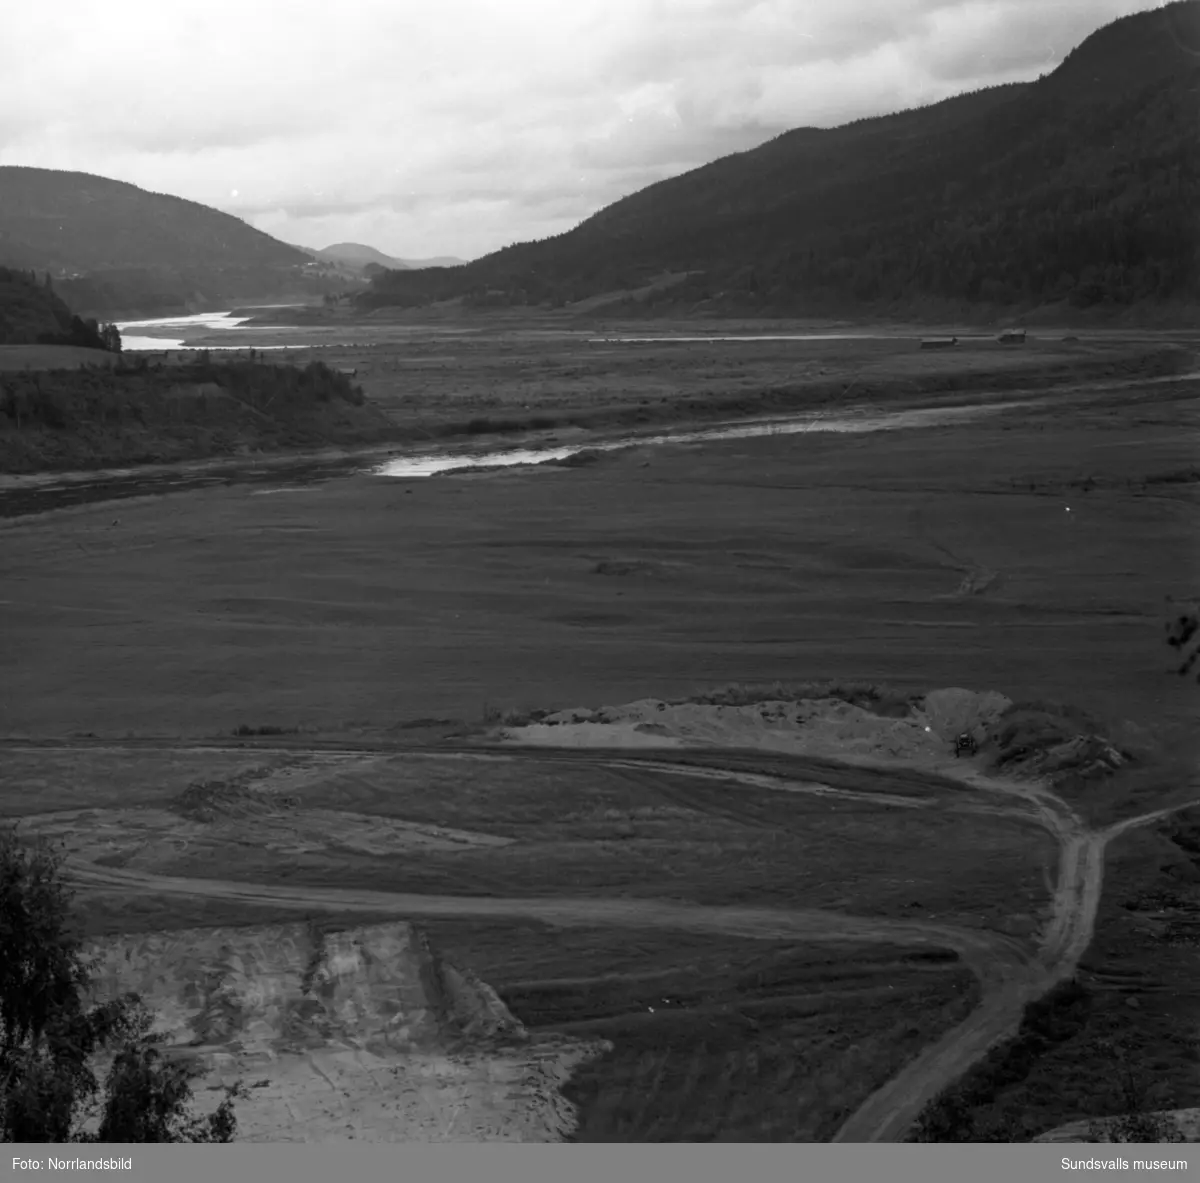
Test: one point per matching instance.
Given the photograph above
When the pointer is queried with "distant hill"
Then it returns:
(32, 313)
(355, 254)
(435, 261)
(114, 247)
(359, 256)
(1079, 188)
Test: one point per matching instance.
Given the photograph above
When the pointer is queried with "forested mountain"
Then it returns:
(1079, 187)
(114, 247)
(79, 222)
(32, 313)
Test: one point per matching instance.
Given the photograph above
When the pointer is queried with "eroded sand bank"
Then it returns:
(363, 1034)
(815, 726)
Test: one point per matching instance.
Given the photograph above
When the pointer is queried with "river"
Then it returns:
(163, 332)
(21, 495)
(181, 332)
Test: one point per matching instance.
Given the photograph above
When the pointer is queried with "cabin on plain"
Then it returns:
(1012, 337)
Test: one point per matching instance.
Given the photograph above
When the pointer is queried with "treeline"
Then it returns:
(1009, 1095)
(32, 313)
(1050, 222)
(140, 393)
(1081, 187)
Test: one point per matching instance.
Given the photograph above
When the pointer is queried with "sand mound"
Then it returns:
(952, 711)
(268, 991)
(823, 726)
(1032, 741)
(357, 1034)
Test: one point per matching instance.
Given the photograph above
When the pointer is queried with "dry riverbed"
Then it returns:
(387, 651)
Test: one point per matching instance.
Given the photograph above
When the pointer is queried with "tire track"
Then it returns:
(1011, 975)
(888, 1113)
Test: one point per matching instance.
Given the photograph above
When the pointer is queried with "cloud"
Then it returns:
(459, 127)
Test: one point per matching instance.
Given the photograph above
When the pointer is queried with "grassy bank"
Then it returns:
(517, 381)
(425, 389)
(135, 412)
(933, 386)
(717, 1039)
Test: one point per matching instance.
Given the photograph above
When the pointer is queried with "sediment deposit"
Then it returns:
(361, 1034)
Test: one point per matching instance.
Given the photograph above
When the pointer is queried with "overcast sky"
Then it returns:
(459, 126)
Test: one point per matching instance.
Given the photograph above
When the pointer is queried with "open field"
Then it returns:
(503, 379)
(815, 555)
(456, 825)
(872, 1070)
(368, 627)
(643, 985)
(716, 1039)
(851, 1016)
(501, 376)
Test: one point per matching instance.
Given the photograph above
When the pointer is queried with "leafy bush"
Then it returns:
(70, 400)
(1057, 1017)
(50, 1038)
(1183, 635)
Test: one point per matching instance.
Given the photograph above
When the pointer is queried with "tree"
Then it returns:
(50, 1037)
(1183, 635)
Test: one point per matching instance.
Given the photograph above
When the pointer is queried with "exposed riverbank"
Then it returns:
(163, 412)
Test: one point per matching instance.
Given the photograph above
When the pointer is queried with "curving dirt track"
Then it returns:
(886, 1115)
(1011, 973)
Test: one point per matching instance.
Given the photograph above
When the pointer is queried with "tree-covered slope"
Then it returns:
(32, 313)
(1081, 186)
(115, 248)
(79, 222)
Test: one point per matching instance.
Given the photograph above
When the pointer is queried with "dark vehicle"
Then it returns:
(965, 743)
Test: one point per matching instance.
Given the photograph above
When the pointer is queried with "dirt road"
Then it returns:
(888, 1113)
(1011, 973)
(998, 957)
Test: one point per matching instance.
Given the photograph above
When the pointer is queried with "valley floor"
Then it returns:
(361, 632)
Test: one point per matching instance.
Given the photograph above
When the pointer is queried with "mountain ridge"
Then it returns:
(115, 248)
(1077, 188)
(1079, 191)
(360, 256)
